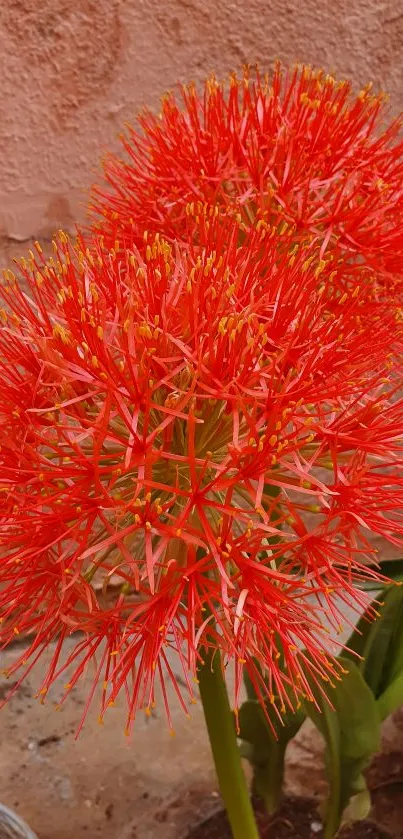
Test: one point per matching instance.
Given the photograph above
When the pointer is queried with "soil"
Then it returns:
(365, 830)
(292, 821)
(298, 818)
(155, 786)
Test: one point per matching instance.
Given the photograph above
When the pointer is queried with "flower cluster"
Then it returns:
(296, 148)
(207, 416)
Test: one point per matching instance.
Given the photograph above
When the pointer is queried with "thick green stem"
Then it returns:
(227, 759)
(333, 814)
(332, 822)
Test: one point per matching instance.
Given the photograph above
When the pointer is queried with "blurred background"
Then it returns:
(73, 71)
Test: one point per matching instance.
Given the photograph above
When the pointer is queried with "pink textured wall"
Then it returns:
(72, 71)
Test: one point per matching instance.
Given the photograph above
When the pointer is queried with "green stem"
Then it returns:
(333, 814)
(268, 779)
(332, 821)
(224, 746)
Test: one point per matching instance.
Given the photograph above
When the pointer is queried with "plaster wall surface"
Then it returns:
(72, 72)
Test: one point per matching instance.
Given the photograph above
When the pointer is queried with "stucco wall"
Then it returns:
(72, 71)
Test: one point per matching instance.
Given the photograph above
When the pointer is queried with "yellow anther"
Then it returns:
(307, 263)
(60, 332)
(94, 292)
(230, 290)
(145, 331)
(320, 267)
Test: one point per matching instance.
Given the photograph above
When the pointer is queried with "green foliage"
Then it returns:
(264, 744)
(348, 714)
(351, 729)
(391, 569)
(380, 647)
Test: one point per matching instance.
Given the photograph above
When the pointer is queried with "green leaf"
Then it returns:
(388, 645)
(380, 642)
(363, 634)
(360, 803)
(390, 693)
(264, 746)
(264, 742)
(351, 730)
(393, 569)
(250, 690)
(392, 697)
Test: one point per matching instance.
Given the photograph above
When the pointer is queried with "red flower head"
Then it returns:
(297, 147)
(206, 429)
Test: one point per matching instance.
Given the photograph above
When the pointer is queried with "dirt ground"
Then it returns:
(101, 784)
(152, 786)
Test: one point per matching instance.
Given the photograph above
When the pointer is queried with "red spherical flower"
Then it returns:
(211, 431)
(296, 147)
